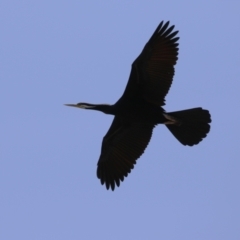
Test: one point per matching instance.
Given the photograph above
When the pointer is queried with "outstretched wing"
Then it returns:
(123, 144)
(152, 72)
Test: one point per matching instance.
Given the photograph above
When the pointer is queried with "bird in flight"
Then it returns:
(140, 109)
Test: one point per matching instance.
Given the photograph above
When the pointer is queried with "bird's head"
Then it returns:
(82, 105)
(106, 108)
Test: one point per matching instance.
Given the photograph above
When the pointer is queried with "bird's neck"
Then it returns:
(105, 108)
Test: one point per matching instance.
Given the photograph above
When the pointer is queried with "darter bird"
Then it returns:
(140, 109)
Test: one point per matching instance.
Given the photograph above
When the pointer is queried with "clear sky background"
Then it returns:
(56, 52)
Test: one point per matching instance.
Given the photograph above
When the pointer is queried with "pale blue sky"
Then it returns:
(56, 52)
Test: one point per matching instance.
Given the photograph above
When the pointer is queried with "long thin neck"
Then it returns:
(105, 108)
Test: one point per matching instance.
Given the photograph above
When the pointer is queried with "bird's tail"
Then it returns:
(189, 126)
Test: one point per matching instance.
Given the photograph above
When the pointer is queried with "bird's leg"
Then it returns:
(171, 120)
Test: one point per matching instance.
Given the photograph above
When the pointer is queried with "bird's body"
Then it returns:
(139, 110)
(143, 112)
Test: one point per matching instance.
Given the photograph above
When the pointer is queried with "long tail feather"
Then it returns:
(190, 126)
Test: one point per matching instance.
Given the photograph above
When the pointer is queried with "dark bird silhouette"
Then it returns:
(139, 110)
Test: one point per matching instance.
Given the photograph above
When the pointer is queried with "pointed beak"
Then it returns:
(71, 105)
